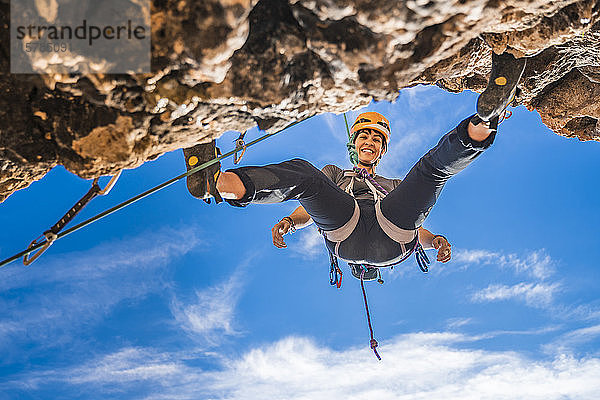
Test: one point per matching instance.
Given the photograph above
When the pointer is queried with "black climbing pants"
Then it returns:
(385, 231)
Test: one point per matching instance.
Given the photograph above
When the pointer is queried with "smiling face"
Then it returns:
(369, 146)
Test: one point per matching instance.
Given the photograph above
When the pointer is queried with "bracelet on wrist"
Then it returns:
(437, 236)
(292, 224)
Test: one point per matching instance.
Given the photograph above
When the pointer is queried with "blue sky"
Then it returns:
(175, 299)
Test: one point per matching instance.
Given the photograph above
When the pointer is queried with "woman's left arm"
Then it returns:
(430, 241)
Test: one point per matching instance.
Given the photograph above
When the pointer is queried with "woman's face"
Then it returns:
(369, 146)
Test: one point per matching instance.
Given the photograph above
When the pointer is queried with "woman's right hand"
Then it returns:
(280, 229)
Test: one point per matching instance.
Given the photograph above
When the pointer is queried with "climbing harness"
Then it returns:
(46, 243)
(52, 234)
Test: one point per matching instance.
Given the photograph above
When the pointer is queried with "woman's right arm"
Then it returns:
(300, 219)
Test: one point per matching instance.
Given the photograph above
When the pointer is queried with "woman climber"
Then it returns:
(366, 219)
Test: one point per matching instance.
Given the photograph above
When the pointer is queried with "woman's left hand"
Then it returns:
(444, 249)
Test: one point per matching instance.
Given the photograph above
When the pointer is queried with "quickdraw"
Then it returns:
(52, 234)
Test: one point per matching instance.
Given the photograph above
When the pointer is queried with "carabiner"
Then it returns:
(110, 183)
(335, 273)
(422, 258)
(50, 238)
(239, 145)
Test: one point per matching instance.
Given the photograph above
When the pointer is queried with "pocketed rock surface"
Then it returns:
(221, 65)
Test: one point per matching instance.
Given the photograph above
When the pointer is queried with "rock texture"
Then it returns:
(222, 65)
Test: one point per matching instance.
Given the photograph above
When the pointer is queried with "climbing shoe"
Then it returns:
(203, 184)
(502, 86)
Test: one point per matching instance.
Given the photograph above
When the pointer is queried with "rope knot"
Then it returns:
(374, 345)
(363, 173)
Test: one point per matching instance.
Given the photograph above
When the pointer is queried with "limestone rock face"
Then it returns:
(222, 65)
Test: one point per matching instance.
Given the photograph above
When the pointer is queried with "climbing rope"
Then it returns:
(373, 342)
(363, 173)
(48, 241)
(352, 153)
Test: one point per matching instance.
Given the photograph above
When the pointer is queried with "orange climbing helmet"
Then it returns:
(372, 120)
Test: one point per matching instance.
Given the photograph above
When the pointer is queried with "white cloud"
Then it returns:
(149, 250)
(212, 313)
(534, 294)
(404, 151)
(307, 243)
(537, 264)
(475, 256)
(128, 364)
(540, 293)
(420, 97)
(582, 311)
(570, 340)
(336, 126)
(584, 334)
(532, 332)
(415, 366)
(406, 268)
(115, 372)
(454, 323)
(68, 291)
